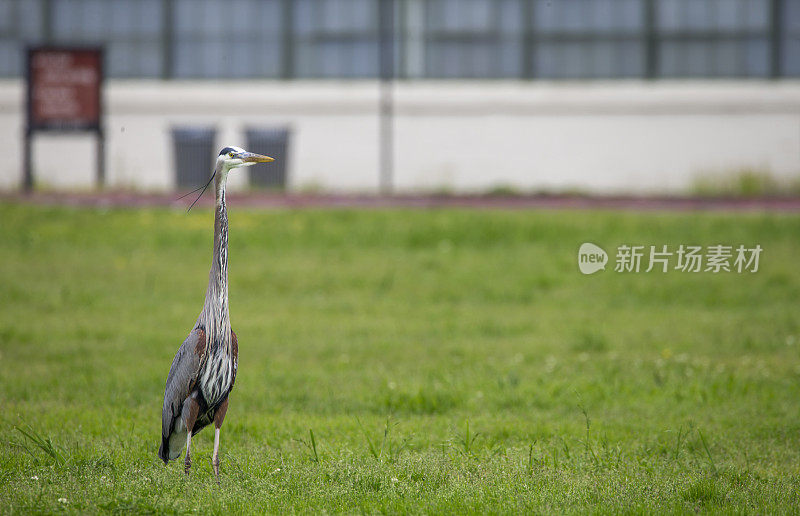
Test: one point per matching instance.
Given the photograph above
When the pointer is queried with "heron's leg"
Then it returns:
(187, 464)
(189, 415)
(219, 417)
(215, 458)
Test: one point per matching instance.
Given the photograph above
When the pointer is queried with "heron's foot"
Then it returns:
(187, 464)
(215, 465)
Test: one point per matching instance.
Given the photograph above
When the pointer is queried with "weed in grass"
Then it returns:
(588, 439)
(466, 442)
(311, 444)
(391, 446)
(376, 454)
(708, 452)
(678, 441)
(703, 492)
(43, 443)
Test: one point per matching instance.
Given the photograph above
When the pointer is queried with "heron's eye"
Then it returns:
(231, 154)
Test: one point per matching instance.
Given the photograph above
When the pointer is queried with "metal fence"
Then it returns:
(528, 39)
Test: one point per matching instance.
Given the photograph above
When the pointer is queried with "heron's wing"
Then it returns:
(235, 350)
(182, 377)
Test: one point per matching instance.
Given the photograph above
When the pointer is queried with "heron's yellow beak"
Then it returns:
(251, 157)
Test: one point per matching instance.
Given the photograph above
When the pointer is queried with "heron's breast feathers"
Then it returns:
(218, 371)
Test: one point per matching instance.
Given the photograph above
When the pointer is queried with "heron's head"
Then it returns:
(234, 157)
(228, 159)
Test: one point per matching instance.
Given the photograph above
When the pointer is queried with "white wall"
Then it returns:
(463, 136)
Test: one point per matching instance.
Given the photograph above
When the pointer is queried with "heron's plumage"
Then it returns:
(181, 380)
(203, 371)
(226, 150)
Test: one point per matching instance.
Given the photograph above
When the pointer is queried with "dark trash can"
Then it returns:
(271, 141)
(194, 155)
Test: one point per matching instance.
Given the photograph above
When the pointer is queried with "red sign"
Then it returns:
(64, 88)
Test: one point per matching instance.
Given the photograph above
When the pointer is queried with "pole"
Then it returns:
(27, 165)
(47, 21)
(101, 160)
(287, 50)
(386, 107)
(167, 38)
(776, 35)
(27, 178)
(101, 135)
(650, 42)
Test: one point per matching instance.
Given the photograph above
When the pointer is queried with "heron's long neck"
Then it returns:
(215, 317)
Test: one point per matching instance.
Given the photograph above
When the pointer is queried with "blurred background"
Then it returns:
(595, 96)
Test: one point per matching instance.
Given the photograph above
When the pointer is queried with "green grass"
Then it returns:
(747, 182)
(402, 361)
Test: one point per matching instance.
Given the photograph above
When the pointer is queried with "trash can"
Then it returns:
(194, 155)
(272, 141)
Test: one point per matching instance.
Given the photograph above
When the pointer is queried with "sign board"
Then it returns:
(64, 88)
(64, 94)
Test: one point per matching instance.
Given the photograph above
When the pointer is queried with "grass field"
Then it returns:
(402, 361)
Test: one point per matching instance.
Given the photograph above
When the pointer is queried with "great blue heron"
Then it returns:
(204, 368)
